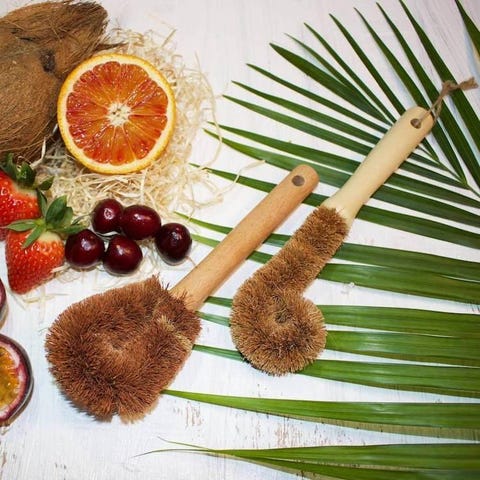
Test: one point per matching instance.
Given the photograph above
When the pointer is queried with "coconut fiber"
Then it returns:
(39, 45)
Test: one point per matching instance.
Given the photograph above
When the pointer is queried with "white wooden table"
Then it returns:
(51, 440)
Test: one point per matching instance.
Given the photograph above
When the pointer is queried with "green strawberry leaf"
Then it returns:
(26, 175)
(42, 202)
(33, 236)
(56, 211)
(22, 225)
(72, 229)
(77, 220)
(46, 184)
(67, 218)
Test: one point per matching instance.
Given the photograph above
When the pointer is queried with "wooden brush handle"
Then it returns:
(381, 162)
(221, 262)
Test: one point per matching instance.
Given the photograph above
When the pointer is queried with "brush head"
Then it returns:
(272, 325)
(113, 353)
(277, 331)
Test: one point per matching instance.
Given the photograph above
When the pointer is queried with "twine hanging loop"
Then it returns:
(448, 87)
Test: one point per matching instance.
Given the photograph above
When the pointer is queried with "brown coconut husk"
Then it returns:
(39, 45)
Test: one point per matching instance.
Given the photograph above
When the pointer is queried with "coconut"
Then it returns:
(39, 45)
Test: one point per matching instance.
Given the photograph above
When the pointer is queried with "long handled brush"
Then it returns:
(274, 327)
(113, 353)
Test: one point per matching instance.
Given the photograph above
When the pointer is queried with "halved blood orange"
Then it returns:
(116, 113)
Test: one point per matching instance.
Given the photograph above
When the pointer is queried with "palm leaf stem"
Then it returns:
(445, 420)
(444, 380)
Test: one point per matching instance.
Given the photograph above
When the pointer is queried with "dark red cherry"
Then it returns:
(139, 222)
(106, 216)
(123, 255)
(173, 242)
(84, 249)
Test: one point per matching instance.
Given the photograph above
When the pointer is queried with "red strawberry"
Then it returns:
(31, 266)
(18, 193)
(34, 248)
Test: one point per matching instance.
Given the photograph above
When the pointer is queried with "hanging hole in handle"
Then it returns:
(298, 180)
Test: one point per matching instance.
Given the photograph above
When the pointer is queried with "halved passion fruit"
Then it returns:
(16, 382)
(3, 301)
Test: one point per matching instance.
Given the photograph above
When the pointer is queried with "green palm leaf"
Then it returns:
(414, 194)
(471, 28)
(401, 221)
(452, 350)
(391, 279)
(384, 257)
(339, 85)
(465, 110)
(448, 420)
(347, 165)
(410, 347)
(410, 85)
(334, 106)
(444, 380)
(411, 320)
(417, 350)
(398, 197)
(432, 461)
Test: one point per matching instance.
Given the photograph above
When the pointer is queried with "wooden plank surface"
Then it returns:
(52, 440)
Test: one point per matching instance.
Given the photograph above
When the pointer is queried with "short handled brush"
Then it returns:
(113, 353)
(274, 327)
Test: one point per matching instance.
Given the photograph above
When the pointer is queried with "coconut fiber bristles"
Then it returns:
(272, 325)
(114, 353)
